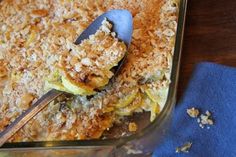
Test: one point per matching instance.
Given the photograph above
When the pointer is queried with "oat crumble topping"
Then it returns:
(88, 65)
(34, 36)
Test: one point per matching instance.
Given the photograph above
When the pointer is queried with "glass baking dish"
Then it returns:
(139, 144)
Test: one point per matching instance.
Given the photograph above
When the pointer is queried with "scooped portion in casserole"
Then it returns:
(37, 53)
(87, 67)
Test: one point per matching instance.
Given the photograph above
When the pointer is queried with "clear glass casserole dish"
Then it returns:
(142, 142)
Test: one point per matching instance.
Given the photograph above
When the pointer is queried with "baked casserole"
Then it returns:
(38, 35)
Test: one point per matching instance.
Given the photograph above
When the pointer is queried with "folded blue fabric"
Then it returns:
(213, 88)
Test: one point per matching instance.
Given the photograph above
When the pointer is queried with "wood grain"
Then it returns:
(210, 35)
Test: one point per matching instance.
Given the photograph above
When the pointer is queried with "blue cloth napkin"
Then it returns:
(213, 88)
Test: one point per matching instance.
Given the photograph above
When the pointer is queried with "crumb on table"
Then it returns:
(205, 119)
(202, 119)
(193, 112)
(184, 148)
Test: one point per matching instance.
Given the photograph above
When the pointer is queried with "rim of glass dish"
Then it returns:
(122, 140)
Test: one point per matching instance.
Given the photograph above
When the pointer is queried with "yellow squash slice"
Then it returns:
(54, 82)
(155, 109)
(98, 82)
(148, 104)
(128, 110)
(127, 99)
(158, 96)
(55, 85)
(66, 84)
(76, 89)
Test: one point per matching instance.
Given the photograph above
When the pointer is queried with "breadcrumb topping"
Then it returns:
(93, 57)
(35, 35)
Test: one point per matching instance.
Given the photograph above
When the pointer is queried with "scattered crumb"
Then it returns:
(198, 120)
(193, 112)
(133, 127)
(201, 125)
(184, 148)
(208, 113)
(205, 119)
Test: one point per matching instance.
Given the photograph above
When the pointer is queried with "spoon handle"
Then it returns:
(28, 114)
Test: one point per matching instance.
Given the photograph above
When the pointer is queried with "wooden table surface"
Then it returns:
(210, 35)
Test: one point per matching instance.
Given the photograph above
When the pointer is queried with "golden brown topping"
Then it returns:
(40, 12)
(3, 69)
(35, 35)
(26, 100)
(4, 122)
(133, 127)
(90, 62)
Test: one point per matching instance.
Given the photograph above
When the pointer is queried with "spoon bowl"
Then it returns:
(122, 25)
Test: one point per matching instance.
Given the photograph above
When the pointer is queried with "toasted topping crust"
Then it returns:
(35, 35)
(94, 57)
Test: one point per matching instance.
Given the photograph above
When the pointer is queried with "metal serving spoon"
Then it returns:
(122, 25)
